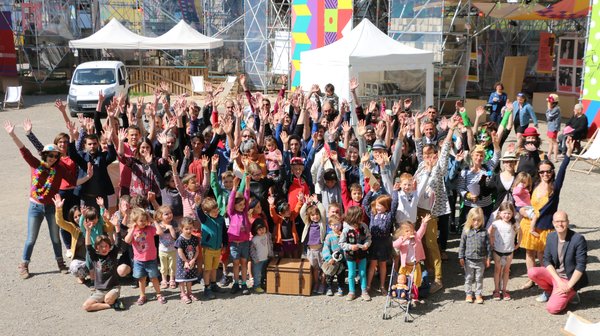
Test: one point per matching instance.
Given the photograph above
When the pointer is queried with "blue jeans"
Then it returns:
(362, 270)
(35, 216)
(257, 272)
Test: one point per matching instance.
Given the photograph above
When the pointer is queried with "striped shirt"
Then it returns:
(469, 178)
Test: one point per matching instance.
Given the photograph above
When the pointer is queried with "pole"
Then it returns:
(585, 55)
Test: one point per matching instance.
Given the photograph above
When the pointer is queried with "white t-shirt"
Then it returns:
(504, 236)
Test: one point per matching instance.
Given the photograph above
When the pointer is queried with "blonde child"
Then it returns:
(273, 156)
(313, 235)
(188, 252)
(332, 255)
(261, 249)
(409, 244)
(503, 232)
(522, 194)
(408, 199)
(474, 253)
(214, 239)
(355, 241)
(166, 245)
(239, 235)
(141, 237)
(382, 216)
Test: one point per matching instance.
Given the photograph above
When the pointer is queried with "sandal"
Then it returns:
(163, 284)
(193, 297)
(185, 299)
(172, 284)
(161, 299)
(141, 301)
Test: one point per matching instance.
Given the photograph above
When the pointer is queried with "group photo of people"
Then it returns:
(208, 193)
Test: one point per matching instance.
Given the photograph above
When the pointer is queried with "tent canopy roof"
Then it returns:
(182, 36)
(112, 36)
(367, 46)
(115, 36)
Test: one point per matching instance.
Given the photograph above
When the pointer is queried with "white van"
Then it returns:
(89, 79)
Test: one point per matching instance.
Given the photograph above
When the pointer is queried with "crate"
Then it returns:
(289, 277)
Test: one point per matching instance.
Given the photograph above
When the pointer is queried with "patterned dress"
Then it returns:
(189, 247)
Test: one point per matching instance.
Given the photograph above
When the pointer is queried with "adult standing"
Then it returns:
(498, 100)
(553, 119)
(565, 259)
(433, 198)
(544, 199)
(500, 184)
(46, 176)
(523, 114)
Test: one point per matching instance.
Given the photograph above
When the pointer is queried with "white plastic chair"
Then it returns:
(578, 326)
(589, 154)
(13, 96)
(197, 84)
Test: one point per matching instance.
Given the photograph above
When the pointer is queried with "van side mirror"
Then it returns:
(122, 82)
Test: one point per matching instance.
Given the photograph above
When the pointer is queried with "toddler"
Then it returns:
(166, 245)
(261, 249)
(474, 254)
(503, 232)
(522, 195)
(188, 251)
(333, 257)
(355, 241)
(141, 237)
(409, 245)
(273, 156)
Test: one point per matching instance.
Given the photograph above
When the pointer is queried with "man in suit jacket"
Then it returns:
(565, 259)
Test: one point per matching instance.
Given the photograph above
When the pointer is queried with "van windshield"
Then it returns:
(94, 77)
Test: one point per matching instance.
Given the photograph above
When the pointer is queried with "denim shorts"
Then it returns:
(143, 269)
(239, 250)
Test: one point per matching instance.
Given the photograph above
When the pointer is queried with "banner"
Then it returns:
(317, 23)
(591, 84)
(546, 53)
(8, 55)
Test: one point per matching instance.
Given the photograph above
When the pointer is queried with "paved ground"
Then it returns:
(50, 303)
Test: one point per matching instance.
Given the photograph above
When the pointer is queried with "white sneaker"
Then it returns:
(69, 254)
(542, 297)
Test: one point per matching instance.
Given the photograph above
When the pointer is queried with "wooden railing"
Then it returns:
(145, 79)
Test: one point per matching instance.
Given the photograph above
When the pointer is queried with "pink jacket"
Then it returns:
(521, 195)
(403, 244)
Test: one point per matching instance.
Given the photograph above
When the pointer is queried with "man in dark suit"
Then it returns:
(565, 259)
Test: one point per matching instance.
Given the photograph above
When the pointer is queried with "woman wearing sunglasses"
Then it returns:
(544, 199)
(46, 177)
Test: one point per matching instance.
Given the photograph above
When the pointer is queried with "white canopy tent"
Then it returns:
(364, 49)
(182, 36)
(112, 36)
(115, 36)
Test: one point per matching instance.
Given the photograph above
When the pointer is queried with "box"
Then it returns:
(289, 276)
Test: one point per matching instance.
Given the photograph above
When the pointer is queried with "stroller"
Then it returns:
(401, 297)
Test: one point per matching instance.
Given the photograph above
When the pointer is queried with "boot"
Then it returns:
(24, 270)
(61, 266)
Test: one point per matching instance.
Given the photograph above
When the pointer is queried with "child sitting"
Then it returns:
(522, 195)
(261, 249)
(104, 265)
(141, 237)
(166, 245)
(333, 257)
(214, 239)
(188, 252)
(313, 235)
(410, 247)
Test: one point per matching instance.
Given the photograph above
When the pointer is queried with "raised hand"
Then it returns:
(235, 154)
(315, 88)
(333, 156)
(271, 200)
(204, 161)
(187, 152)
(151, 196)
(58, 201)
(90, 170)
(27, 126)
(407, 103)
(372, 106)
(100, 201)
(284, 137)
(9, 127)
(243, 80)
(122, 134)
(361, 129)
(346, 127)
(353, 84)
(479, 111)
(60, 105)
(215, 162)
(162, 138)
(101, 97)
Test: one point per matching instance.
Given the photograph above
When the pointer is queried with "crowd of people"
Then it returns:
(350, 190)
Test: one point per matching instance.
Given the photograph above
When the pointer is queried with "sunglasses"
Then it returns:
(53, 156)
(541, 172)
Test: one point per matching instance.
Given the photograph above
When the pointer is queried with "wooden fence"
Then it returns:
(145, 79)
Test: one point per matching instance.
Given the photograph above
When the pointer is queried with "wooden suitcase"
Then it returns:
(289, 276)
